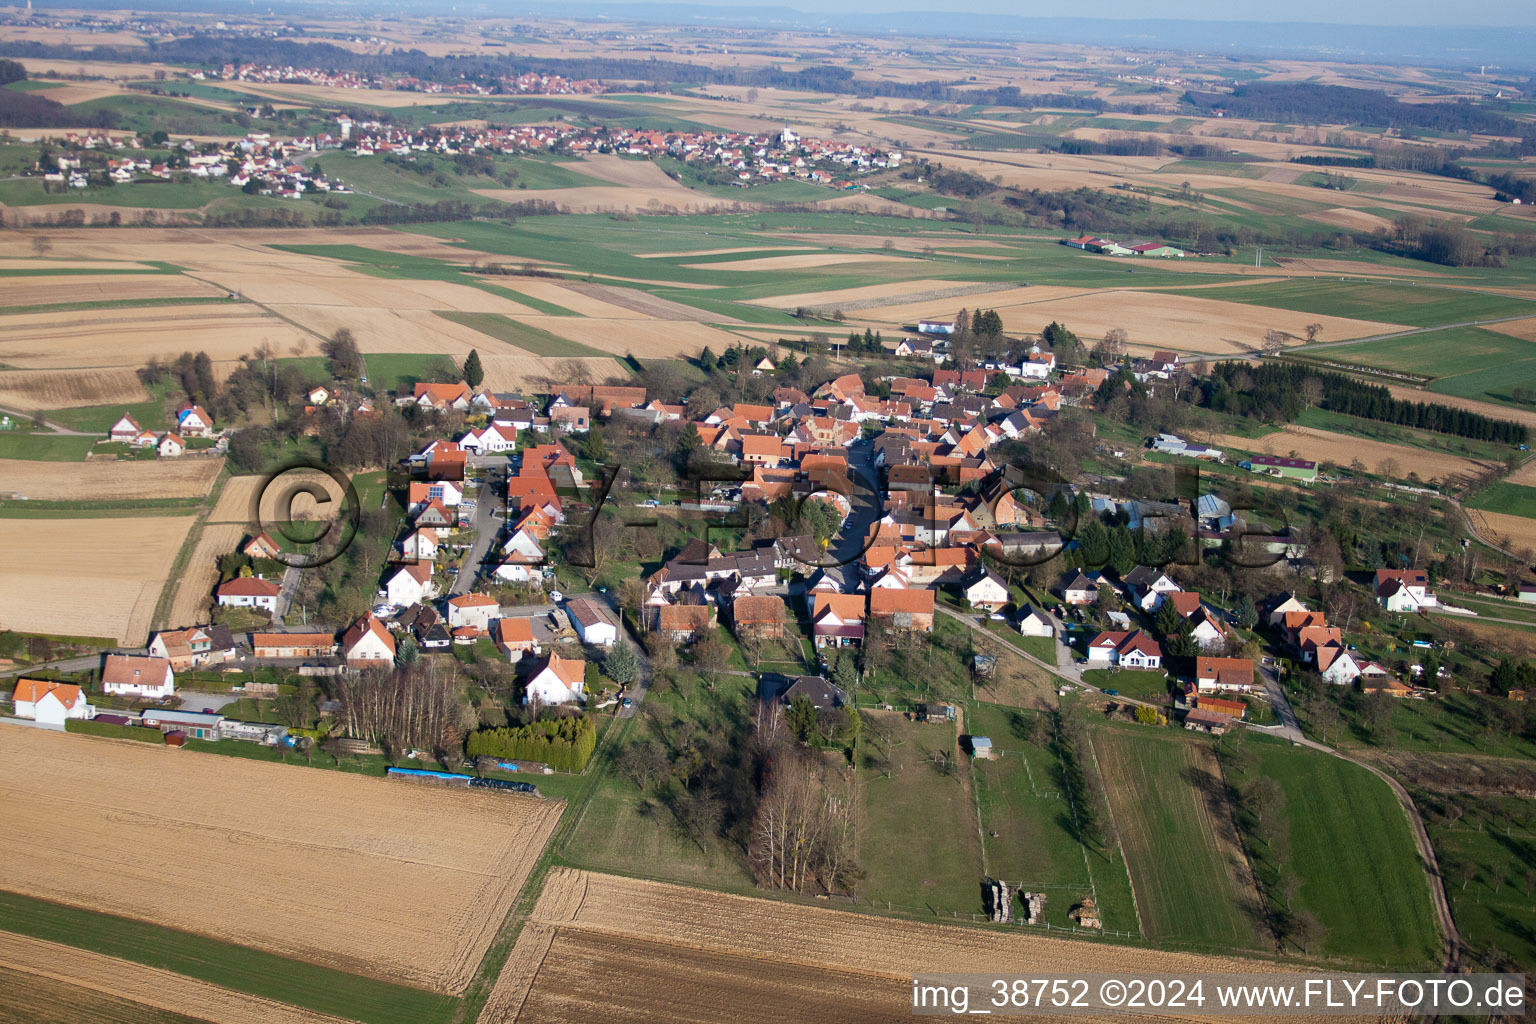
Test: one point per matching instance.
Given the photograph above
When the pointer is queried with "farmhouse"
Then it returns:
(248, 592)
(984, 589)
(1148, 586)
(189, 648)
(366, 642)
(1079, 589)
(193, 421)
(837, 620)
(557, 681)
(126, 430)
(1233, 675)
(683, 623)
(1404, 590)
(50, 703)
(170, 446)
(759, 616)
(822, 694)
(945, 327)
(312, 644)
(136, 675)
(420, 545)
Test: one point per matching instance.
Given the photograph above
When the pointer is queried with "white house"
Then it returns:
(592, 622)
(420, 545)
(136, 675)
(410, 584)
(984, 589)
(126, 430)
(474, 610)
(557, 681)
(1404, 590)
(194, 421)
(1291, 604)
(1230, 675)
(170, 446)
(489, 440)
(1148, 586)
(1126, 649)
(367, 642)
(1337, 665)
(249, 592)
(1079, 590)
(1207, 630)
(521, 555)
(1034, 623)
(50, 703)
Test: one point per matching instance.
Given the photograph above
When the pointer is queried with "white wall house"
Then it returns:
(135, 675)
(557, 681)
(367, 642)
(50, 703)
(249, 592)
(474, 610)
(593, 623)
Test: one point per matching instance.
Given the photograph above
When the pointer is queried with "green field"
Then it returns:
(1412, 304)
(1503, 496)
(1353, 851)
(1019, 796)
(397, 371)
(1175, 827)
(16, 444)
(935, 868)
(520, 335)
(1457, 723)
(1492, 836)
(222, 963)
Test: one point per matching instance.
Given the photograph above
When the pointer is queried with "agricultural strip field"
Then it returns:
(520, 335)
(35, 390)
(1027, 832)
(102, 577)
(80, 288)
(1191, 880)
(939, 865)
(1402, 302)
(355, 873)
(747, 960)
(110, 480)
(1342, 449)
(194, 591)
(1514, 532)
(1506, 497)
(55, 341)
(130, 992)
(33, 999)
(1352, 849)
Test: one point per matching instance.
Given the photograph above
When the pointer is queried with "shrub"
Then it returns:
(562, 743)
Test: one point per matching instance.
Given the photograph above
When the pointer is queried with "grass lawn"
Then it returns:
(1175, 827)
(936, 867)
(15, 444)
(1143, 685)
(926, 668)
(1502, 496)
(225, 964)
(1353, 850)
(530, 339)
(1462, 723)
(1020, 799)
(397, 371)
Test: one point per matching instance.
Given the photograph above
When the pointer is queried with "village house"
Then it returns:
(410, 584)
(1147, 587)
(137, 675)
(193, 421)
(170, 446)
(420, 545)
(1232, 675)
(910, 610)
(50, 703)
(474, 610)
(1078, 589)
(556, 681)
(1404, 590)
(759, 616)
(126, 430)
(837, 620)
(367, 643)
(984, 589)
(684, 623)
(1032, 622)
(195, 647)
(249, 592)
(1132, 649)
(261, 546)
(514, 638)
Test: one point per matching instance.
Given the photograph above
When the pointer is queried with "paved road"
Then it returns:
(285, 593)
(64, 664)
(486, 528)
(852, 537)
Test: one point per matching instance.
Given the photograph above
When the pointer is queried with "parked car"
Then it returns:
(1111, 693)
(628, 703)
(556, 597)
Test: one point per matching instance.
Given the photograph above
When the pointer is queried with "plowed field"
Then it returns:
(30, 390)
(110, 480)
(194, 591)
(1324, 446)
(393, 880)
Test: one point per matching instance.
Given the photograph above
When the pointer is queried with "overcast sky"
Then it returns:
(1348, 12)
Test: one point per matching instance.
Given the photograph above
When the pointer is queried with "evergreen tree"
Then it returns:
(406, 651)
(621, 664)
(474, 373)
(1167, 620)
(1246, 614)
(1122, 550)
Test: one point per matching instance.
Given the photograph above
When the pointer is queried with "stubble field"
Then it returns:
(87, 577)
(1341, 450)
(131, 337)
(687, 954)
(71, 288)
(385, 879)
(35, 390)
(103, 480)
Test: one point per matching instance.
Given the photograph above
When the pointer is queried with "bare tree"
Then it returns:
(1313, 330)
(41, 246)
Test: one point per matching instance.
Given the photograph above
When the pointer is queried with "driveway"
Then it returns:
(193, 701)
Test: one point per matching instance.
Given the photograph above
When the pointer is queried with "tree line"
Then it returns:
(564, 744)
(1281, 391)
(1311, 103)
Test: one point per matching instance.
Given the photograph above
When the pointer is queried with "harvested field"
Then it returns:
(351, 290)
(605, 198)
(30, 390)
(739, 959)
(130, 337)
(104, 480)
(361, 861)
(634, 173)
(800, 261)
(1353, 220)
(510, 373)
(1353, 267)
(146, 986)
(194, 591)
(1342, 449)
(720, 252)
(1525, 329)
(644, 338)
(875, 296)
(35, 263)
(996, 297)
(100, 577)
(37, 291)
